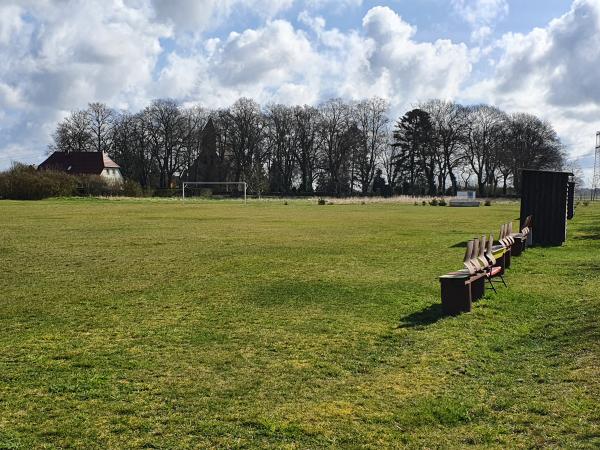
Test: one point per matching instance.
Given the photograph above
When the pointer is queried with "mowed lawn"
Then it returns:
(157, 324)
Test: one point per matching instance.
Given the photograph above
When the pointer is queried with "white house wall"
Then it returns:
(112, 175)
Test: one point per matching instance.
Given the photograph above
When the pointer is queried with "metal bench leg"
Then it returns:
(503, 282)
(491, 284)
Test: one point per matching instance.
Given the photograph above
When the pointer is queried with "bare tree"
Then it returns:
(339, 145)
(334, 152)
(388, 161)
(194, 120)
(372, 122)
(131, 147)
(245, 138)
(165, 125)
(280, 141)
(72, 134)
(534, 144)
(575, 168)
(306, 132)
(465, 174)
(100, 122)
(482, 141)
(449, 121)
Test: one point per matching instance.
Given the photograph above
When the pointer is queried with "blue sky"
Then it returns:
(521, 55)
(434, 18)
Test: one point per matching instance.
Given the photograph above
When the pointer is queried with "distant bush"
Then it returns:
(434, 202)
(22, 182)
(416, 203)
(488, 203)
(131, 188)
(322, 201)
(586, 203)
(167, 193)
(442, 202)
(206, 192)
(424, 203)
(95, 186)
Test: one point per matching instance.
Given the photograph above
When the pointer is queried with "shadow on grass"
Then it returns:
(462, 244)
(426, 316)
(587, 236)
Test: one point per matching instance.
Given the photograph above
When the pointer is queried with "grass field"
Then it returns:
(137, 323)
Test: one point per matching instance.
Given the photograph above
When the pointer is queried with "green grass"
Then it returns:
(130, 324)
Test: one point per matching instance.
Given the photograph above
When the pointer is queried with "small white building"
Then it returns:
(84, 163)
(470, 195)
(465, 199)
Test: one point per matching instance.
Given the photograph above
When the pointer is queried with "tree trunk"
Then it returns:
(481, 184)
(481, 188)
(454, 182)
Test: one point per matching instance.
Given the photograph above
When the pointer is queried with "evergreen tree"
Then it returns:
(415, 161)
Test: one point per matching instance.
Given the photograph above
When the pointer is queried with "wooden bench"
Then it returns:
(461, 288)
(520, 239)
(505, 244)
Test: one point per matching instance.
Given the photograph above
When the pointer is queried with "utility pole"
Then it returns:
(596, 179)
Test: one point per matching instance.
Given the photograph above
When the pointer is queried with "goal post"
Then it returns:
(243, 184)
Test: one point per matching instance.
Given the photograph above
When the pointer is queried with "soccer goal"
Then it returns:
(192, 188)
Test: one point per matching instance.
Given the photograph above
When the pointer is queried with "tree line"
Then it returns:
(336, 148)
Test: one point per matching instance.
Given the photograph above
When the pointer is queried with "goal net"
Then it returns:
(214, 189)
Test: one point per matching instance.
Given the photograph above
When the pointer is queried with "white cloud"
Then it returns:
(278, 63)
(552, 72)
(179, 77)
(561, 59)
(383, 24)
(72, 53)
(477, 12)
(10, 97)
(69, 53)
(275, 53)
(316, 24)
(481, 33)
(412, 70)
(18, 153)
(10, 22)
(58, 55)
(202, 15)
(273, 62)
(481, 15)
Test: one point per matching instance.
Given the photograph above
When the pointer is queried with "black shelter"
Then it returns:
(544, 195)
(571, 201)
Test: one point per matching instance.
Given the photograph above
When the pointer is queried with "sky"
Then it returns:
(535, 56)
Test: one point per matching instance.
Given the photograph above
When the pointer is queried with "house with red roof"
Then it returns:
(84, 163)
